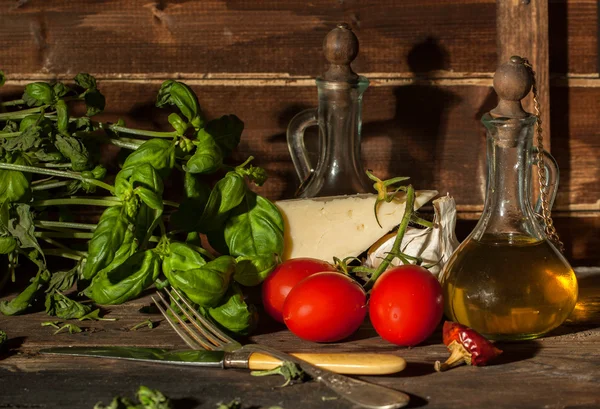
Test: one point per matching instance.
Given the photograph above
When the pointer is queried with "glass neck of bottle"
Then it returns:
(507, 210)
(340, 113)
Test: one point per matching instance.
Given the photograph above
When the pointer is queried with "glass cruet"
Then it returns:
(507, 280)
(339, 170)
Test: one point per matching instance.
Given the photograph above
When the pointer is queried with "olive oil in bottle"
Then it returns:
(508, 287)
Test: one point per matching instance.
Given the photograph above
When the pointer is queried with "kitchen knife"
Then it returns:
(346, 363)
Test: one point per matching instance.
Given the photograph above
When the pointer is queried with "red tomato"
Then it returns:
(406, 305)
(325, 307)
(285, 276)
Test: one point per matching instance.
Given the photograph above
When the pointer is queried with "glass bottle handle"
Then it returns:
(295, 141)
(552, 176)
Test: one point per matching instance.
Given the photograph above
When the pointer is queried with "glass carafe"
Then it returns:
(507, 280)
(339, 169)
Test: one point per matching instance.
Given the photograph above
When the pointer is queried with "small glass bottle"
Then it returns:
(339, 170)
(507, 280)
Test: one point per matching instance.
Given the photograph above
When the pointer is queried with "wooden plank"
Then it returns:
(573, 34)
(560, 370)
(213, 36)
(522, 28)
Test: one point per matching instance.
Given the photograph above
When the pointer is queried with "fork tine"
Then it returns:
(210, 326)
(201, 343)
(179, 332)
(202, 332)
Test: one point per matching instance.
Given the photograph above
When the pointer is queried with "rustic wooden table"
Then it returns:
(561, 370)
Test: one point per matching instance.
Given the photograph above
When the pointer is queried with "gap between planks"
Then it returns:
(436, 78)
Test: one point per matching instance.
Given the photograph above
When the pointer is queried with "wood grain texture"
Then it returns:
(560, 370)
(123, 36)
(522, 29)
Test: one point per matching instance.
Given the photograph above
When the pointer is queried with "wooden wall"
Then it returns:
(430, 63)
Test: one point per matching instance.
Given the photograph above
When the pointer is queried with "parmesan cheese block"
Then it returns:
(340, 226)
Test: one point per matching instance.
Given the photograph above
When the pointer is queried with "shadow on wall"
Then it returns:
(418, 128)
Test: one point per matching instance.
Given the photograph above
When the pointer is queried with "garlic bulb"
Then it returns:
(434, 245)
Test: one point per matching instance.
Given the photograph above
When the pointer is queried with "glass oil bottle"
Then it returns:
(507, 280)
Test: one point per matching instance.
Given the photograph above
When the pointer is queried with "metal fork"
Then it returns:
(201, 333)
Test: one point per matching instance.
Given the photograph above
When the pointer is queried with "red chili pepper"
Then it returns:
(466, 346)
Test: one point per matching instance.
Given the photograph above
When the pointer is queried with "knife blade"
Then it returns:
(346, 363)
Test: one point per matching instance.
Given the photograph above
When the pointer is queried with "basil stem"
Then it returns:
(117, 128)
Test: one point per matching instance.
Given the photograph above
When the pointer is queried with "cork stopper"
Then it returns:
(340, 48)
(512, 83)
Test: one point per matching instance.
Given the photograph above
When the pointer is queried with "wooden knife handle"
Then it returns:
(352, 363)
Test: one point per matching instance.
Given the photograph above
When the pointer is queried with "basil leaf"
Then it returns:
(15, 185)
(159, 153)
(207, 158)
(60, 90)
(197, 193)
(182, 257)
(254, 228)
(94, 101)
(178, 124)
(30, 138)
(38, 93)
(234, 314)
(251, 271)
(205, 285)
(85, 80)
(62, 115)
(64, 280)
(226, 131)
(10, 126)
(8, 244)
(21, 227)
(24, 301)
(143, 175)
(225, 196)
(110, 235)
(178, 94)
(125, 281)
(74, 150)
(60, 306)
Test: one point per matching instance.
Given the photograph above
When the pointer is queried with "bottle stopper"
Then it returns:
(340, 48)
(512, 83)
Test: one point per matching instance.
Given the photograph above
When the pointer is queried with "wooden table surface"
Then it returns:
(561, 370)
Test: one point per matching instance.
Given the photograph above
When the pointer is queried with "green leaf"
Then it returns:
(64, 280)
(38, 93)
(234, 314)
(72, 328)
(62, 115)
(182, 257)
(227, 193)
(289, 370)
(7, 245)
(178, 124)
(234, 404)
(208, 157)
(197, 193)
(254, 228)
(21, 227)
(143, 175)
(74, 150)
(251, 271)
(151, 199)
(60, 90)
(125, 281)
(95, 316)
(178, 94)
(159, 153)
(63, 307)
(3, 336)
(24, 301)
(148, 398)
(30, 138)
(226, 131)
(113, 233)
(10, 126)
(15, 185)
(146, 323)
(94, 101)
(85, 80)
(204, 285)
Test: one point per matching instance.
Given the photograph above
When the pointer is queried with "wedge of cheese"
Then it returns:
(340, 226)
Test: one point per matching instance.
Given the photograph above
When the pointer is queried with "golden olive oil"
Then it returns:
(509, 287)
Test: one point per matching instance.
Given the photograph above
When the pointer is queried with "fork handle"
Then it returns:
(352, 363)
(367, 395)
